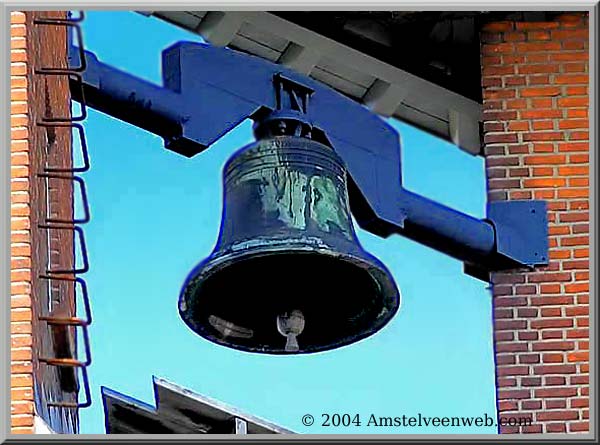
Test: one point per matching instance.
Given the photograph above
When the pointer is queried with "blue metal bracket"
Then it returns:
(207, 91)
(521, 230)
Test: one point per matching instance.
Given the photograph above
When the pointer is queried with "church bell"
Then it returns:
(288, 274)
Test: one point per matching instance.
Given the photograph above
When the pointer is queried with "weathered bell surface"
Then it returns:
(288, 274)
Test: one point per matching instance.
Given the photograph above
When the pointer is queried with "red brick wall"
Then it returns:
(33, 199)
(535, 89)
(21, 407)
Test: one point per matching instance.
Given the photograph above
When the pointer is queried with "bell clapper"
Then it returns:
(290, 325)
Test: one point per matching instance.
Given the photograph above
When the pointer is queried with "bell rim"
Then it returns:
(218, 262)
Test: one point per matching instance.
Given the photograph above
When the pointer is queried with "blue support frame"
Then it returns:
(208, 91)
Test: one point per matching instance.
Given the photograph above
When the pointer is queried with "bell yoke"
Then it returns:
(288, 274)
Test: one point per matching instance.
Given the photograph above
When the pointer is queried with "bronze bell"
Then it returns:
(287, 275)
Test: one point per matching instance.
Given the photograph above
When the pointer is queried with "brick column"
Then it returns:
(21, 392)
(33, 199)
(535, 89)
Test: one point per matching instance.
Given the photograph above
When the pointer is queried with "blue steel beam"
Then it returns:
(207, 91)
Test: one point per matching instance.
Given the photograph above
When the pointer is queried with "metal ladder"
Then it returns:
(67, 361)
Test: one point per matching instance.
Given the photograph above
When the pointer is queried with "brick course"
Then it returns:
(535, 83)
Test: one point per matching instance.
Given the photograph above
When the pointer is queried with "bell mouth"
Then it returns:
(236, 300)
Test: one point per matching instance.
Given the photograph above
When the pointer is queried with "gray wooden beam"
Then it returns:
(219, 28)
(384, 98)
(241, 426)
(299, 58)
(464, 131)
